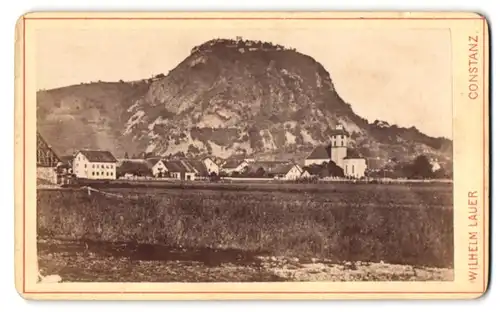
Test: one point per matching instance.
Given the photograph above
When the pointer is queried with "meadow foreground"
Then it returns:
(349, 232)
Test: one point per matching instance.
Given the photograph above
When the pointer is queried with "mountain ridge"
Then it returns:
(227, 97)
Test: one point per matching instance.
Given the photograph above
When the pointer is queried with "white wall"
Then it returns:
(157, 167)
(101, 171)
(211, 166)
(294, 173)
(80, 166)
(338, 155)
(339, 140)
(46, 173)
(354, 167)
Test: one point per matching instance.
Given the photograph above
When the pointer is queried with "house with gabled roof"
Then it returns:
(211, 165)
(231, 166)
(132, 168)
(289, 171)
(46, 161)
(180, 169)
(95, 165)
(199, 166)
(157, 166)
(274, 169)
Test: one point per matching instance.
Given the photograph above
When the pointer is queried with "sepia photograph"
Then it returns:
(246, 151)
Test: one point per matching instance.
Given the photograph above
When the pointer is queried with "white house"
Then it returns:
(352, 164)
(211, 165)
(435, 165)
(287, 172)
(180, 169)
(158, 167)
(96, 165)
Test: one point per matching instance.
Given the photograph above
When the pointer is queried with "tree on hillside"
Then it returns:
(421, 168)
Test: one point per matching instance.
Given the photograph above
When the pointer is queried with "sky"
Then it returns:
(402, 76)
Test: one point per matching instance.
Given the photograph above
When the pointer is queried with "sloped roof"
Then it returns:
(178, 166)
(284, 169)
(273, 167)
(99, 156)
(199, 166)
(132, 166)
(232, 163)
(46, 156)
(321, 152)
(340, 132)
(152, 161)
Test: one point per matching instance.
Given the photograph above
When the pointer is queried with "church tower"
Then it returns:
(339, 145)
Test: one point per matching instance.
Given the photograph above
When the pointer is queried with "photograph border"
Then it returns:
(25, 22)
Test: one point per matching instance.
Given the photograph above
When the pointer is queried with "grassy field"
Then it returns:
(398, 224)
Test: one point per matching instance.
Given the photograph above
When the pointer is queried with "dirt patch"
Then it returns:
(293, 269)
(91, 261)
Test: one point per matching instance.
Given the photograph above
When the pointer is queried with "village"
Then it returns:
(336, 159)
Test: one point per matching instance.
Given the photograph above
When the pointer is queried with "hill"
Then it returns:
(227, 97)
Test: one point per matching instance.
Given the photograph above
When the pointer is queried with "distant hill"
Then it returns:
(226, 97)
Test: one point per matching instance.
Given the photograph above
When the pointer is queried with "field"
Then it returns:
(248, 233)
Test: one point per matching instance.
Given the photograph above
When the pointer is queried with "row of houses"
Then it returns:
(181, 169)
(103, 165)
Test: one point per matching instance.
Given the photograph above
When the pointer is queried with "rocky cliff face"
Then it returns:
(226, 97)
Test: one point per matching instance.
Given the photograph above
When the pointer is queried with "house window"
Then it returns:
(342, 143)
(97, 173)
(93, 173)
(102, 173)
(352, 169)
(85, 165)
(335, 143)
(92, 165)
(102, 166)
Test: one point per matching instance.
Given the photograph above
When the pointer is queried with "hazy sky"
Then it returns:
(401, 76)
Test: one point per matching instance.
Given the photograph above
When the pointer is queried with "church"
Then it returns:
(337, 151)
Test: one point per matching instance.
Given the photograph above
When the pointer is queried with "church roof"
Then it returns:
(320, 152)
(324, 152)
(340, 132)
